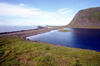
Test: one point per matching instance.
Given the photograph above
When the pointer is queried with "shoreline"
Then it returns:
(25, 33)
(17, 50)
(39, 29)
(31, 32)
(19, 31)
(24, 37)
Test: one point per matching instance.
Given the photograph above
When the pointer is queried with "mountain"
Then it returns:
(86, 18)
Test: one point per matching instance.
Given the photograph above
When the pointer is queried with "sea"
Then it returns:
(15, 28)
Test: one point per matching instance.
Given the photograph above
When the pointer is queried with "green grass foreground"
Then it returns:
(15, 51)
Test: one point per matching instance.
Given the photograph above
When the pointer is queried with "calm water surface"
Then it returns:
(15, 28)
(80, 38)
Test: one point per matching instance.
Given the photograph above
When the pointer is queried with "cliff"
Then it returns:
(86, 18)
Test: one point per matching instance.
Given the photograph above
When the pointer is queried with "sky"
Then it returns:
(41, 12)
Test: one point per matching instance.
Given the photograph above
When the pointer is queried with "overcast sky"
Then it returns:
(41, 12)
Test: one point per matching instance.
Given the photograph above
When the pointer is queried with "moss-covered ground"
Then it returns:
(15, 51)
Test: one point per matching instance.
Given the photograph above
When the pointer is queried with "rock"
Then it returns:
(40, 27)
(87, 17)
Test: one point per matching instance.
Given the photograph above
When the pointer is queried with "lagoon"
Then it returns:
(79, 38)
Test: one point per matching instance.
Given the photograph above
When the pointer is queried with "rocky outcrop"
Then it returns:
(87, 17)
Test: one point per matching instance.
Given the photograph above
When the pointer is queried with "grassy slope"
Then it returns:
(15, 51)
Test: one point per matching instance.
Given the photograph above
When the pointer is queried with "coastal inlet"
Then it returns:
(77, 38)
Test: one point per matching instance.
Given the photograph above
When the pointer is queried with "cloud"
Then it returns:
(61, 10)
(15, 10)
(64, 11)
(47, 14)
(35, 16)
(21, 4)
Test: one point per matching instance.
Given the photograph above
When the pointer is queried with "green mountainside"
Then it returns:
(87, 18)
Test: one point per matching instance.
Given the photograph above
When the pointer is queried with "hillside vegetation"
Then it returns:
(87, 18)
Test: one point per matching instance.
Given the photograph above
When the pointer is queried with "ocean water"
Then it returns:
(15, 28)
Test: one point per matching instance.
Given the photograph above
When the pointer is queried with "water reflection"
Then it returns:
(80, 38)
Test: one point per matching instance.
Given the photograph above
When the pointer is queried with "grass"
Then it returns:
(85, 27)
(15, 51)
(63, 30)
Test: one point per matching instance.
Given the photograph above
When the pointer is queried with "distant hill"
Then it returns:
(87, 18)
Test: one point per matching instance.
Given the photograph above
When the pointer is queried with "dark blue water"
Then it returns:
(80, 38)
(15, 28)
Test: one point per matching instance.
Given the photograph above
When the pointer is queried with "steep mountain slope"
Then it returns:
(87, 18)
